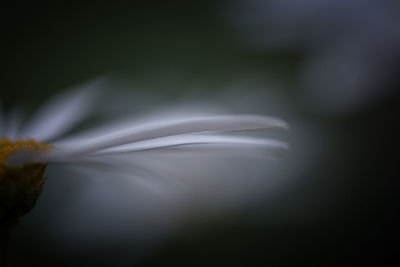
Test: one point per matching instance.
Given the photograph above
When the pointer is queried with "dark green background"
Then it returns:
(165, 47)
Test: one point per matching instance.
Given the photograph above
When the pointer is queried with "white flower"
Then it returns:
(26, 150)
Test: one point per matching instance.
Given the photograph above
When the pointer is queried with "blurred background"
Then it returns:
(329, 68)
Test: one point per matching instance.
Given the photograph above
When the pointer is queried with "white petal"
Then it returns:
(63, 112)
(13, 124)
(22, 157)
(157, 114)
(127, 167)
(193, 142)
(175, 126)
(1, 122)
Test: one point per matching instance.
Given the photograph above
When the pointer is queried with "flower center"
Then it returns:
(20, 185)
(8, 148)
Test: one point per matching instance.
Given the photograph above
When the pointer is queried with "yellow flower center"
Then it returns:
(8, 147)
(20, 186)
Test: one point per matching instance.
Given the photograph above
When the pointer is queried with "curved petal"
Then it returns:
(1, 121)
(172, 127)
(13, 124)
(63, 112)
(193, 142)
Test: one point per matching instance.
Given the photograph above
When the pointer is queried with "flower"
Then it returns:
(25, 151)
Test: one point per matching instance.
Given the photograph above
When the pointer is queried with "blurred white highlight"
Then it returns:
(351, 48)
(173, 168)
(62, 113)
